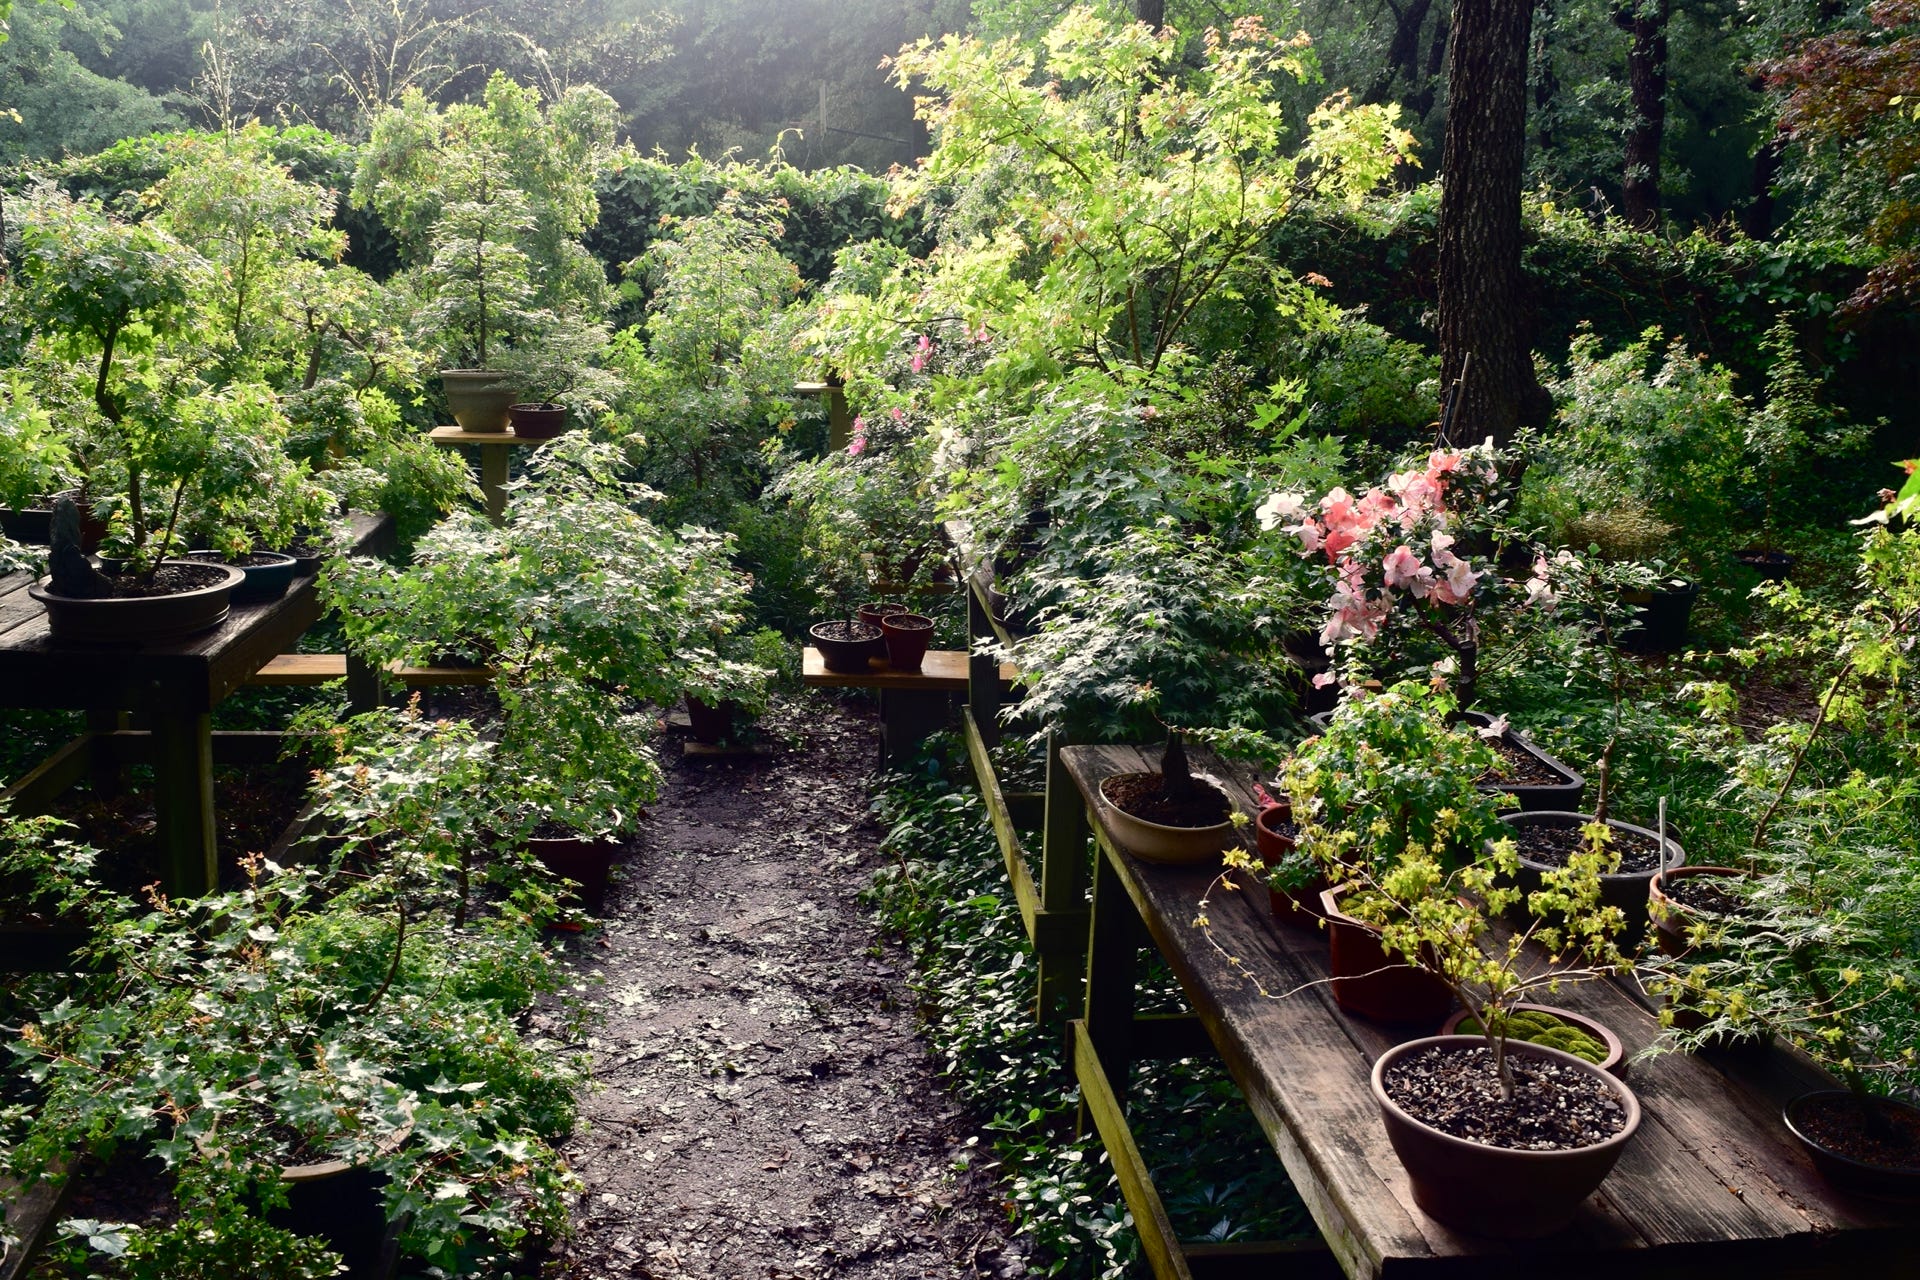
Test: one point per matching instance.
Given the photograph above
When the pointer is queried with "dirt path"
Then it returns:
(764, 1108)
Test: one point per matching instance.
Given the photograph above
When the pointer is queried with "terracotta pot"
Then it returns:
(537, 421)
(1155, 842)
(849, 654)
(1845, 1172)
(873, 612)
(1672, 921)
(1373, 985)
(1297, 907)
(1614, 1064)
(478, 398)
(149, 620)
(1626, 890)
(268, 579)
(1496, 1191)
(711, 723)
(906, 636)
(586, 862)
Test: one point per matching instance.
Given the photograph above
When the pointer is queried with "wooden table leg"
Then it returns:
(907, 717)
(1063, 881)
(1113, 961)
(363, 685)
(183, 801)
(493, 480)
(104, 773)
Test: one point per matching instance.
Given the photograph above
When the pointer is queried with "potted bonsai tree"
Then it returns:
(729, 683)
(1160, 635)
(554, 368)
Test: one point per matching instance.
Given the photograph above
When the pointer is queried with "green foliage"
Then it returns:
(55, 103)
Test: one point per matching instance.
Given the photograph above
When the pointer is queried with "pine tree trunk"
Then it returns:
(1646, 22)
(1482, 296)
(1151, 12)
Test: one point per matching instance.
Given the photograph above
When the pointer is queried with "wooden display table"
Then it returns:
(496, 451)
(1710, 1186)
(170, 689)
(913, 704)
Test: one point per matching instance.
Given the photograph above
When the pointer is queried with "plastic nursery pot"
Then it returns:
(1370, 983)
(844, 646)
(1158, 842)
(1664, 614)
(1615, 1061)
(1670, 919)
(1772, 566)
(1498, 1191)
(1298, 907)
(712, 723)
(589, 863)
(537, 420)
(1833, 1126)
(478, 398)
(343, 1205)
(268, 574)
(1626, 889)
(139, 620)
(907, 636)
(1562, 794)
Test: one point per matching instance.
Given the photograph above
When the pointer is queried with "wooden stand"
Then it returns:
(1711, 1184)
(839, 424)
(913, 704)
(496, 452)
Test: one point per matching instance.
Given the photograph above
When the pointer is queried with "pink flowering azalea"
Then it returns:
(1441, 461)
(899, 414)
(1309, 534)
(1404, 571)
(858, 445)
(1324, 679)
(1457, 586)
(921, 356)
(1279, 507)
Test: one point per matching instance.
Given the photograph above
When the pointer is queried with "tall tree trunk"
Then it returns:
(1481, 291)
(1151, 12)
(1646, 22)
(1403, 52)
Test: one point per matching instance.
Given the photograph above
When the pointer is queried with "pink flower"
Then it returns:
(1541, 593)
(858, 445)
(1494, 729)
(981, 334)
(1441, 461)
(1309, 533)
(1324, 679)
(923, 354)
(899, 414)
(1457, 586)
(1377, 506)
(1404, 570)
(1279, 507)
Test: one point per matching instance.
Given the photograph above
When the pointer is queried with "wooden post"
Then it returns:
(105, 775)
(1063, 882)
(363, 685)
(493, 480)
(983, 670)
(183, 801)
(1113, 959)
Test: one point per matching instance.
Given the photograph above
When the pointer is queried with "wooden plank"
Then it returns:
(1710, 1178)
(38, 787)
(1064, 875)
(943, 671)
(1150, 1219)
(30, 1217)
(451, 437)
(301, 669)
(1025, 893)
(183, 803)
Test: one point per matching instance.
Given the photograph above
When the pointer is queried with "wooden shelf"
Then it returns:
(304, 669)
(451, 436)
(943, 671)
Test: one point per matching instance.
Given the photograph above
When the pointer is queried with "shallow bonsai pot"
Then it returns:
(1298, 907)
(906, 636)
(846, 654)
(146, 620)
(1155, 842)
(711, 723)
(1497, 1191)
(589, 863)
(1670, 920)
(264, 581)
(1625, 890)
(478, 398)
(537, 421)
(1370, 983)
(1533, 796)
(1847, 1173)
(1614, 1064)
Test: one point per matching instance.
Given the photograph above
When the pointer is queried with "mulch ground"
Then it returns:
(764, 1107)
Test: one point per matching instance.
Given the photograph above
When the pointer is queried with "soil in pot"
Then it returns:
(1700, 894)
(1547, 838)
(907, 636)
(845, 646)
(1516, 766)
(872, 613)
(1554, 846)
(1555, 1106)
(1144, 796)
(1867, 1145)
(269, 573)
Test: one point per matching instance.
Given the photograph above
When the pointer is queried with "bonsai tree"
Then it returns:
(579, 605)
(557, 361)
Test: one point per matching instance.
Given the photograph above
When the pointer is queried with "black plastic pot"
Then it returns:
(1844, 1172)
(1663, 616)
(1627, 891)
(266, 580)
(712, 723)
(588, 863)
(343, 1205)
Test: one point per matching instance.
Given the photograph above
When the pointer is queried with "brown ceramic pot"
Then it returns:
(907, 636)
(1297, 907)
(1367, 982)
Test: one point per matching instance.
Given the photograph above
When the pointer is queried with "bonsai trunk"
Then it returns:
(1176, 774)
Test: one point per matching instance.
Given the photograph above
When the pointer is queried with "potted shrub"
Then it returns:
(553, 368)
(846, 645)
(729, 685)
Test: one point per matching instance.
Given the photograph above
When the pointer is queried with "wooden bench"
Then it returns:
(913, 704)
(308, 669)
(1712, 1184)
